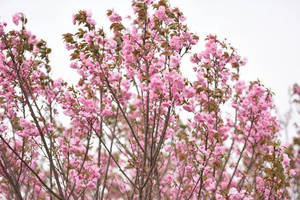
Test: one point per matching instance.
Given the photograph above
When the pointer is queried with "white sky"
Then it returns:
(267, 32)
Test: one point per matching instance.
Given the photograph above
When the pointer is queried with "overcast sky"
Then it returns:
(267, 32)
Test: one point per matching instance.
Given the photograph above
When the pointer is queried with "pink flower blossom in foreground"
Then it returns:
(16, 18)
(114, 17)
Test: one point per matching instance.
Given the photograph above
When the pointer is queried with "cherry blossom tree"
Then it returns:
(293, 150)
(134, 127)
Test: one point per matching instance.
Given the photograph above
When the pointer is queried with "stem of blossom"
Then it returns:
(51, 147)
(200, 178)
(180, 184)
(153, 143)
(106, 171)
(82, 164)
(241, 154)
(146, 129)
(20, 81)
(123, 113)
(159, 146)
(110, 152)
(135, 182)
(252, 159)
(22, 156)
(41, 134)
(9, 176)
(228, 155)
(271, 190)
(35, 174)
(99, 143)
(158, 183)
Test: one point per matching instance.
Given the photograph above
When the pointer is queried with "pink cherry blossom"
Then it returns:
(114, 17)
(17, 18)
(134, 125)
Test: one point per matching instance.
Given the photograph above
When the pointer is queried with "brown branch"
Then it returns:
(34, 173)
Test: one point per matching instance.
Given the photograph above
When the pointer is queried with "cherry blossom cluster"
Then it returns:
(133, 126)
